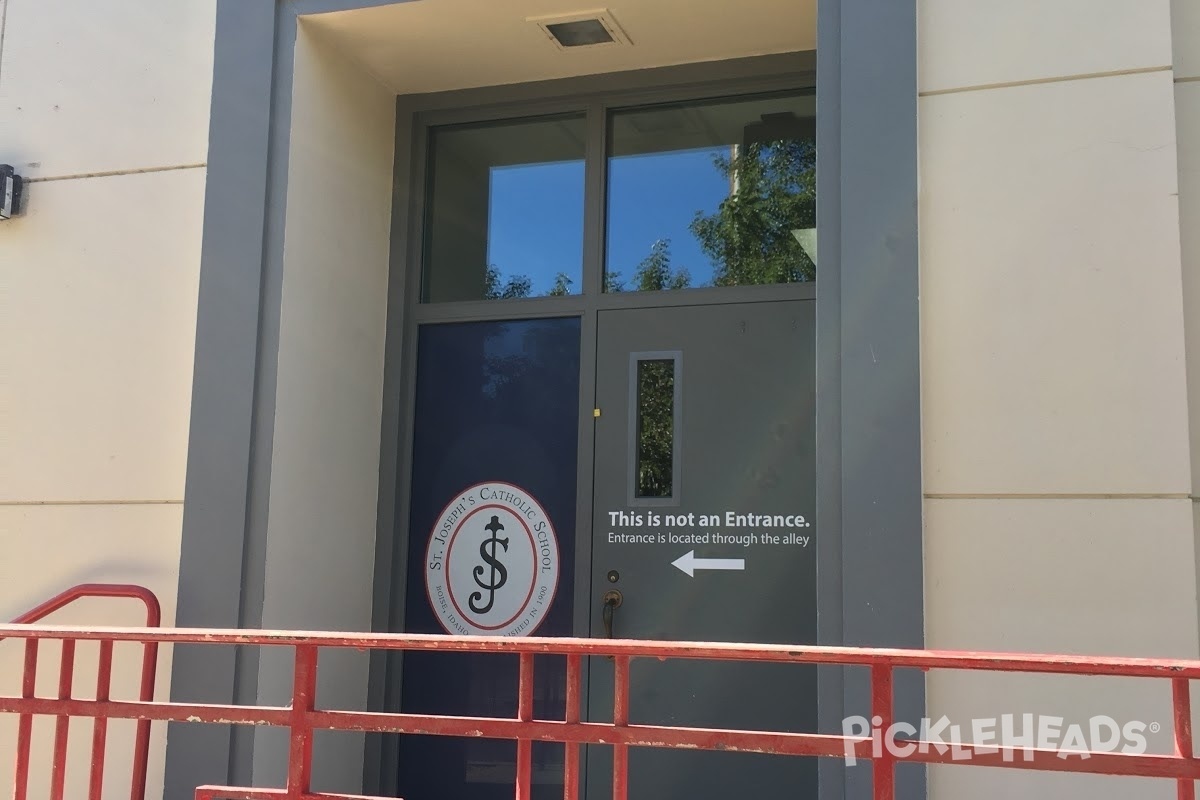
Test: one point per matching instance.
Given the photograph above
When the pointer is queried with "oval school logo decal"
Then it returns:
(491, 568)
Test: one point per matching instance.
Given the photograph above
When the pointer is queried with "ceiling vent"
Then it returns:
(585, 30)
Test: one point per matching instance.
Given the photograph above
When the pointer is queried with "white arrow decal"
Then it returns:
(689, 563)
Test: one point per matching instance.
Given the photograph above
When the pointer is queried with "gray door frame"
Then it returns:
(868, 407)
(594, 97)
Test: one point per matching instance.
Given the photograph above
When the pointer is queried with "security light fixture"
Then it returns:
(583, 30)
(11, 185)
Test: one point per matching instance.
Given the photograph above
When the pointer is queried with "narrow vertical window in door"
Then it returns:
(654, 428)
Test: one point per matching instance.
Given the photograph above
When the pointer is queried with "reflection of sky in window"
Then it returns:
(535, 224)
(656, 196)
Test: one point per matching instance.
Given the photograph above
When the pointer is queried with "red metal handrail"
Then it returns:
(302, 717)
(96, 590)
(141, 748)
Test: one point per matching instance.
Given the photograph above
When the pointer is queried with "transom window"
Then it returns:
(716, 193)
(505, 211)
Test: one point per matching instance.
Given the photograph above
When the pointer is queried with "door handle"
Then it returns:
(612, 600)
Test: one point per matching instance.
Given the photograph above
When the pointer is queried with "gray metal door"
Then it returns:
(703, 521)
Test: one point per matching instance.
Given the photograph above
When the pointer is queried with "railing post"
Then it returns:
(304, 695)
(620, 720)
(100, 724)
(25, 722)
(1182, 702)
(525, 714)
(883, 766)
(571, 749)
(141, 747)
(62, 725)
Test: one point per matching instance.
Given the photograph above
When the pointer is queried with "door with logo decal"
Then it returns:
(692, 518)
(703, 530)
(492, 521)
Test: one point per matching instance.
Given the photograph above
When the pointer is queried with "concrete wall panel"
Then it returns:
(1052, 356)
(1107, 577)
(105, 86)
(102, 275)
(967, 43)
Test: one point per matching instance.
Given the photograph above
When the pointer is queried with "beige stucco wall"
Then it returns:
(1055, 416)
(320, 556)
(104, 107)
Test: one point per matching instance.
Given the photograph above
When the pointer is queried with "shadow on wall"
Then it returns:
(112, 571)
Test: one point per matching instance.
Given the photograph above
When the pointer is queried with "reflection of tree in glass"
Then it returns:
(750, 237)
(653, 273)
(524, 359)
(495, 287)
(655, 427)
(562, 285)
